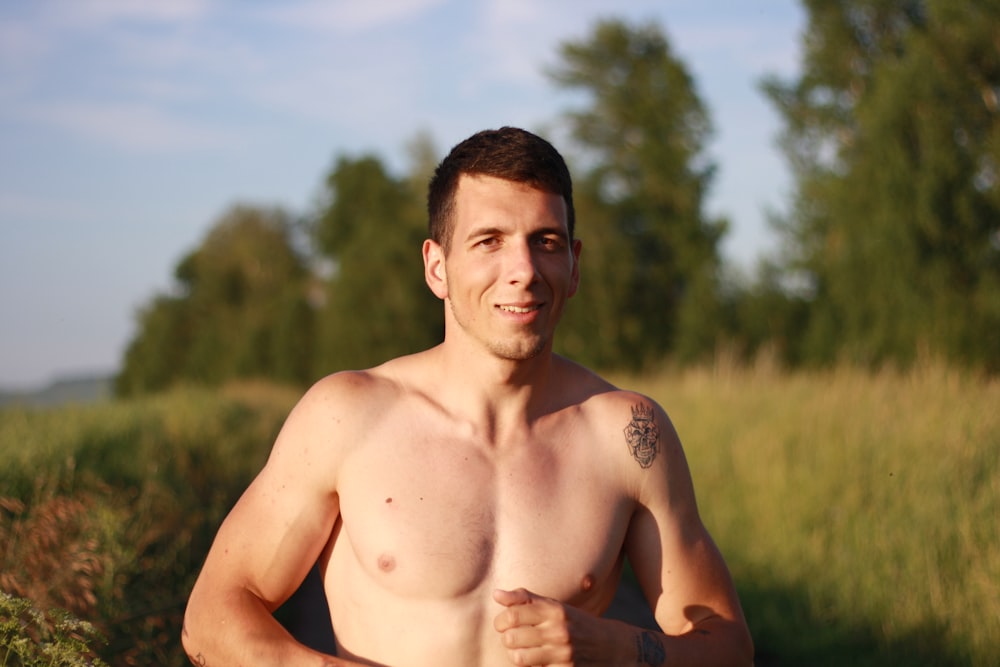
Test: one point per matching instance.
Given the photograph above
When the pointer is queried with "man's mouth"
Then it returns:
(519, 309)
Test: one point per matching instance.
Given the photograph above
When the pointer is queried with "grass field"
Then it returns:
(859, 512)
(107, 510)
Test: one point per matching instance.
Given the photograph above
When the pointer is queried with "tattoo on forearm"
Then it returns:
(650, 649)
(643, 435)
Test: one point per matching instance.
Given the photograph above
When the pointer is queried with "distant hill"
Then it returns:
(83, 389)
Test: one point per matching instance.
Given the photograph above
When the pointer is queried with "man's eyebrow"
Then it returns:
(484, 231)
(555, 231)
(494, 231)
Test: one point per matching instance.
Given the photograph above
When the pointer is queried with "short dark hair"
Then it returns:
(509, 153)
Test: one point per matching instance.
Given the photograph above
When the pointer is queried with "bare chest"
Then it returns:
(439, 519)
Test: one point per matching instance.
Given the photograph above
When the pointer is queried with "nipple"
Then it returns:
(386, 563)
(587, 583)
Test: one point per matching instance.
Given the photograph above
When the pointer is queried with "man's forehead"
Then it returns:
(474, 189)
(473, 183)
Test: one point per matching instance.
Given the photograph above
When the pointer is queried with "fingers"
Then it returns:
(534, 645)
(539, 615)
(517, 596)
(521, 637)
(524, 608)
(540, 657)
(532, 628)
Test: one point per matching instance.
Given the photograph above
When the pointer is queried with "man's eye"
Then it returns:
(489, 243)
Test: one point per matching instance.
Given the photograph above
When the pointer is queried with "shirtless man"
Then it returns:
(473, 504)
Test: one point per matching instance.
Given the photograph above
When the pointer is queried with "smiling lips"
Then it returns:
(519, 309)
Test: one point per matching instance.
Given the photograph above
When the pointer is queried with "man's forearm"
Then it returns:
(241, 630)
(713, 643)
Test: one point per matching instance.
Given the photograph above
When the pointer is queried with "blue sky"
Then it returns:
(128, 126)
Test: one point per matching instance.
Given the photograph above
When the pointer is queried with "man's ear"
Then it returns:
(575, 284)
(434, 269)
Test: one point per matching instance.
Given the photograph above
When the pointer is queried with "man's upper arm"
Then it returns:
(279, 526)
(677, 564)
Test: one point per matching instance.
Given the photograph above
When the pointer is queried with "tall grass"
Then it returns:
(859, 512)
(107, 511)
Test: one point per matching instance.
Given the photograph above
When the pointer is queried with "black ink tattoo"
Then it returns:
(195, 659)
(650, 650)
(643, 435)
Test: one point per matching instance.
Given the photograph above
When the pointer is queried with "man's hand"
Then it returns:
(540, 631)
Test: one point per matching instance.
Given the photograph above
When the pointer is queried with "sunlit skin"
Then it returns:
(510, 268)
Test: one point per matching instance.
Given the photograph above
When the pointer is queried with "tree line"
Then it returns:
(890, 241)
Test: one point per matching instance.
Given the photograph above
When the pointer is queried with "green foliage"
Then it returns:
(377, 303)
(155, 357)
(765, 319)
(31, 638)
(240, 310)
(108, 510)
(893, 130)
(652, 258)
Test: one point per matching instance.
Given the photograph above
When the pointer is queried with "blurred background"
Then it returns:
(128, 129)
(791, 222)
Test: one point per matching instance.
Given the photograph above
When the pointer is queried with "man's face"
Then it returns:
(510, 268)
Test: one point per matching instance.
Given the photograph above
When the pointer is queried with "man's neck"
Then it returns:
(496, 396)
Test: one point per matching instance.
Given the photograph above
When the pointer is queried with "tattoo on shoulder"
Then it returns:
(643, 435)
(650, 649)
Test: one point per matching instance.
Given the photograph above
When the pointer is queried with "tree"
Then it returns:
(893, 133)
(652, 263)
(239, 309)
(377, 303)
(153, 358)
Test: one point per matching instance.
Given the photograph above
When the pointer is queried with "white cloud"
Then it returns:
(751, 42)
(134, 127)
(511, 39)
(47, 29)
(506, 12)
(96, 13)
(19, 42)
(22, 51)
(348, 15)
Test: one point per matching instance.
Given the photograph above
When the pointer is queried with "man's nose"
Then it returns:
(522, 265)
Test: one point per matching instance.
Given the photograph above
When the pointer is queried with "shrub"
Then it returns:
(32, 638)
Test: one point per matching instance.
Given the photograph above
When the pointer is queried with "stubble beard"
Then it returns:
(510, 349)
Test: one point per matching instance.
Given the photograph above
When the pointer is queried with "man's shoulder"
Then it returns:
(594, 393)
(336, 410)
(355, 392)
(616, 411)
(351, 390)
(348, 384)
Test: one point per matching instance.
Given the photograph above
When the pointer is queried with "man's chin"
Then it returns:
(524, 350)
